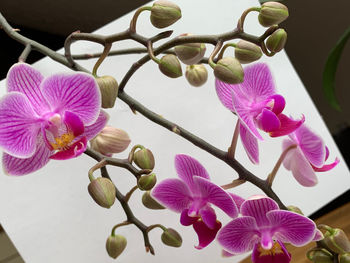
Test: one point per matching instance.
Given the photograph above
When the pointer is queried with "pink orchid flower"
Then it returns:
(257, 106)
(308, 157)
(191, 195)
(47, 118)
(264, 228)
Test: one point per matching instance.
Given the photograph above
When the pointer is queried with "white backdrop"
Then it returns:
(51, 218)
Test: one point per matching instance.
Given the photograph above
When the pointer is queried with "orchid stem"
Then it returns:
(97, 166)
(129, 194)
(151, 54)
(221, 54)
(107, 48)
(25, 53)
(125, 223)
(232, 148)
(235, 183)
(155, 226)
(213, 54)
(283, 155)
(133, 149)
(240, 23)
(133, 22)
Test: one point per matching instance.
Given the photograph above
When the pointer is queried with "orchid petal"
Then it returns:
(311, 145)
(326, 167)
(240, 235)
(26, 79)
(92, 130)
(73, 123)
(318, 235)
(19, 166)
(258, 81)
(237, 199)
(288, 125)
(208, 216)
(268, 121)
(257, 208)
(250, 144)
(226, 254)
(186, 220)
(278, 254)
(72, 151)
(287, 161)
(224, 92)
(278, 103)
(291, 227)
(187, 167)
(173, 193)
(78, 93)
(300, 167)
(327, 153)
(216, 195)
(205, 235)
(245, 115)
(19, 125)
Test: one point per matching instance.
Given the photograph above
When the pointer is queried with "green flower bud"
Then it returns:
(337, 241)
(149, 202)
(345, 258)
(109, 90)
(170, 66)
(295, 209)
(144, 159)
(190, 53)
(102, 190)
(115, 245)
(247, 52)
(272, 13)
(196, 75)
(322, 256)
(110, 140)
(277, 41)
(164, 13)
(146, 182)
(171, 238)
(229, 70)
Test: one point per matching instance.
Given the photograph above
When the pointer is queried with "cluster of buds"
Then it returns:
(334, 244)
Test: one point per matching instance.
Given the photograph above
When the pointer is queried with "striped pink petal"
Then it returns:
(173, 193)
(22, 166)
(26, 79)
(250, 144)
(224, 92)
(92, 130)
(208, 216)
(78, 93)
(288, 125)
(19, 125)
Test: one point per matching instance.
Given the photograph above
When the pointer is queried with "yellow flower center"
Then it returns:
(63, 141)
(276, 249)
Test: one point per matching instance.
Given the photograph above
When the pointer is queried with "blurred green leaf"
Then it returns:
(330, 70)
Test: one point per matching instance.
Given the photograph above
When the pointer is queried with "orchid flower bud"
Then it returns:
(149, 202)
(171, 237)
(144, 159)
(337, 241)
(115, 245)
(190, 53)
(295, 209)
(164, 13)
(196, 75)
(277, 41)
(229, 70)
(247, 52)
(109, 90)
(170, 66)
(272, 13)
(103, 192)
(345, 258)
(321, 256)
(110, 140)
(146, 182)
